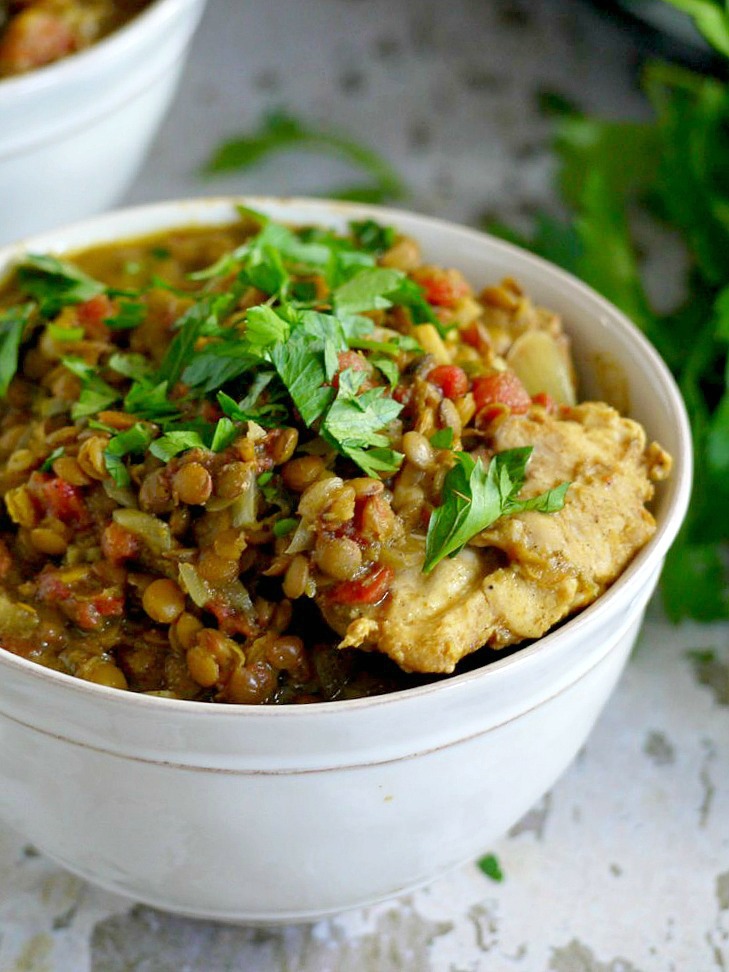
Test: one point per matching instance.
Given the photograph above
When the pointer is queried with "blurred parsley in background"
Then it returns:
(673, 169)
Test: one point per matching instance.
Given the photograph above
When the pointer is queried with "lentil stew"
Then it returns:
(256, 464)
(34, 33)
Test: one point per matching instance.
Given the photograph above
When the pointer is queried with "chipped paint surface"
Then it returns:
(624, 866)
(577, 957)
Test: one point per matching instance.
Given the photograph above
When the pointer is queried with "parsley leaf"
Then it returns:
(130, 314)
(206, 313)
(148, 399)
(172, 443)
(489, 865)
(135, 439)
(12, 326)
(355, 422)
(224, 435)
(217, 364)
(55, 283)
(372, 236)
(264, 327)
(474, 498)
(278, 132)
(47, 465)
(65, 334)
(442, 439)
(300, 365)
(368, 290)
(95, 395)
(131, 365)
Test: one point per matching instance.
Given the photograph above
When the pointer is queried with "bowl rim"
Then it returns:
(73, 68)
(644, 564)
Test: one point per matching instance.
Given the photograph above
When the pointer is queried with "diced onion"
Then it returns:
(16, 618)
(123, 495)
(541, 366)
(244, 510)
(191, 582)
(155, 532)
(303, 539)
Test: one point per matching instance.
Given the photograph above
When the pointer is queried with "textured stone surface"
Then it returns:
(624, 866)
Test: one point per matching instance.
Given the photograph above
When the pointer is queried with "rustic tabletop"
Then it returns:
(624, 865)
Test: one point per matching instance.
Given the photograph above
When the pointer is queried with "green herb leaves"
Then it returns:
(278, 132)
(133, 440)
(669, 172)
(96, 395)
(12, 326)
(711, 18)
(474, 498)
(354, 423)
(55, 283)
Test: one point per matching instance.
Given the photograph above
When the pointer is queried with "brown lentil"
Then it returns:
(418, 450)
(203, 667)
(69, 469)
(232, 480)
(298, 474)
(215, 569)
(48, 542)
(163, 601)
(193, 484)
(284, 446)
(339, 557)
(250, 684)
(91, 457)
(297, 575)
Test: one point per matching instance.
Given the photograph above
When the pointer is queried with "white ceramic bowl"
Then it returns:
(266, 814)
(74, 133)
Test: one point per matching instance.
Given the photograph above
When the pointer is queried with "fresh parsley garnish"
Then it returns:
(12, 327)
(474, 497)
(442, 439)
(96, 395)
(133, 440)
(55, 283)
(47, 465)
(130, 314)
(174, 442)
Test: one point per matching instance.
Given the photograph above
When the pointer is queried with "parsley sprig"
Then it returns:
(474, 497)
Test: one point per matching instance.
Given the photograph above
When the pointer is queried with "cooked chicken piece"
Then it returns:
(531, 570)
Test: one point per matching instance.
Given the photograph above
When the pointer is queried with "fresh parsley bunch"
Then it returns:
(672, 170)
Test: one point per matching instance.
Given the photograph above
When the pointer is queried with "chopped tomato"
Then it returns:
(364, 590)
(546, 401)
(118, 544)
(92, 314)
(451, 380)
(476, 336)
(229, 620)
(403, 394)
(501, 388)
(354, 361)
(58, 497)
(90, 614)
(442, 288)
